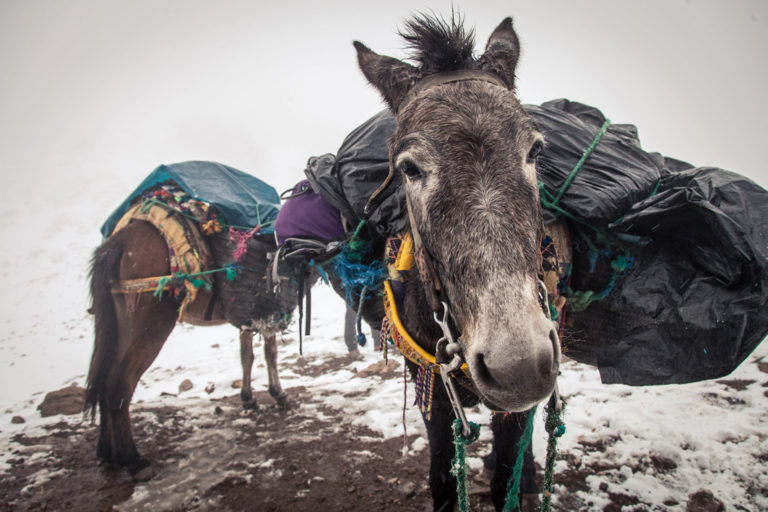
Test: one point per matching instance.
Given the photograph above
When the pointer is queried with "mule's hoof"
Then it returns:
(282, 401)
(250, 405)
(141, 471)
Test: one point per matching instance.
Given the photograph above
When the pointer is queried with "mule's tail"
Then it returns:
(105, 266)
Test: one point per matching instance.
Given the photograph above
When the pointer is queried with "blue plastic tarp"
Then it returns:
(243, 200)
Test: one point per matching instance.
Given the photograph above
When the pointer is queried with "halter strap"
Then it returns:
(448, 78)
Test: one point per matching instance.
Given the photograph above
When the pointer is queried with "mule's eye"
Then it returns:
(535, 151)
(411, 170)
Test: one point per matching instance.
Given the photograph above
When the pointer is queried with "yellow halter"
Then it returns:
(403, 341)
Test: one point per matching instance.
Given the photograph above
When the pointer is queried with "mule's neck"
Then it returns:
(417, 316)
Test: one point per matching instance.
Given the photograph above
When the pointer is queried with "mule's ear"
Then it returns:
(393, 78)
(501, 53)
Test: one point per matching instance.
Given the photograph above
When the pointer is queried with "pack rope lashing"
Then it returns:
(552, 201)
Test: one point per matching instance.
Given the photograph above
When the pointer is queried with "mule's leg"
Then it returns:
(142, 327)
(507, 431)
(441, 483)
(246, 360)
(143, 332)
(270, 356)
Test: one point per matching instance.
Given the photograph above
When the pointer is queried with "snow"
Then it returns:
(89, 106)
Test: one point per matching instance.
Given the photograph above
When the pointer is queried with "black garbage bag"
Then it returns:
(361, 165)
(617, 173)
(678, 255)
(690, 299)
(695, 303)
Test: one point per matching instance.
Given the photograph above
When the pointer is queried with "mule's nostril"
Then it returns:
(481, 369)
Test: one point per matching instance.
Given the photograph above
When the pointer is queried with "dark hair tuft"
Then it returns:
(438, 44)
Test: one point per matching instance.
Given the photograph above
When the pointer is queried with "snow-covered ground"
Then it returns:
(94, 95)
(658, 444)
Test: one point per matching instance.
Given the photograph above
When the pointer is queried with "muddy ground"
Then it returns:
(214, 455)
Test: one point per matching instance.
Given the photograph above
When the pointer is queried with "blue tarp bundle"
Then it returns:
(243, 200)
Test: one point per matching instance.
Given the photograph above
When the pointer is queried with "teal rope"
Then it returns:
(551, 201)
(621, 260)
(555, 428)
(193, 278)
(512, 501)
(357, 247)
(320, 270)
(583, 159)
(458, 464)
(580, 300)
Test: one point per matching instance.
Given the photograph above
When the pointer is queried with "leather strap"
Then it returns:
(448, 78)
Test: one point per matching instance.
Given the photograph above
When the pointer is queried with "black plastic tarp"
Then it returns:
(700, 286)
(694, 301)
(360, 166)
(617, 174)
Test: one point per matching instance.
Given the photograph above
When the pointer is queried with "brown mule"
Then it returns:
(130, 329)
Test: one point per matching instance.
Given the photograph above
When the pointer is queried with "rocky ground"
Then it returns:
(211, 454)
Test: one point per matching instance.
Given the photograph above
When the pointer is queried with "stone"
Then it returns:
(185, 385)
(704, 501)
(69, 400)
(18, 420)
(409, 489)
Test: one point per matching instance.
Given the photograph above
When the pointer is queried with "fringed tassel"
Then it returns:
(405, 403)
(425, 379)
(241, 240)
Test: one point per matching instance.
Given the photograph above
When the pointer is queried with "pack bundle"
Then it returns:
(216, 221)
(669, 278)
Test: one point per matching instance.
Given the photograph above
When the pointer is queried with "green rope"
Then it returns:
(512, 501)
(357, 247)
(458, 464)
(555, 428)
(194, 278)
(583, 159)
(551, 201)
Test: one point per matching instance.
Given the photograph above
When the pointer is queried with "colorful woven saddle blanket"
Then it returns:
(189, 257)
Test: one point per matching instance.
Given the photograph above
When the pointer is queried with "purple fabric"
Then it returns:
(307, 215)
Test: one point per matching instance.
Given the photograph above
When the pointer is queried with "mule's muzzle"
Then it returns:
(513, 382)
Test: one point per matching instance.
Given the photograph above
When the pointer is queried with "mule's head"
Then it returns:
(467, 153)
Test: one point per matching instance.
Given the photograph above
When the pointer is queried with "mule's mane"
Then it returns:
(439, 45)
